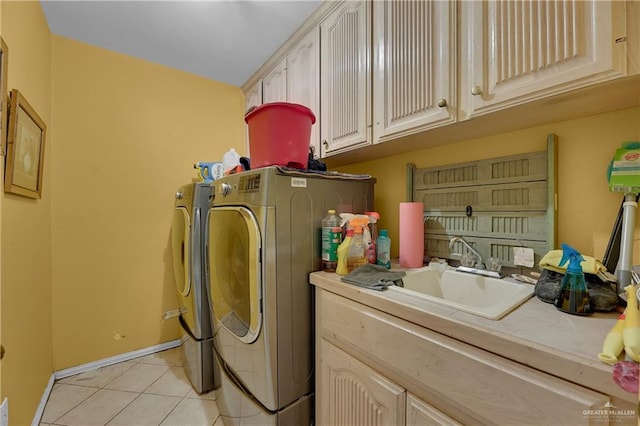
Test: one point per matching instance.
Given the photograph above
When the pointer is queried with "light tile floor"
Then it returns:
(150, 390)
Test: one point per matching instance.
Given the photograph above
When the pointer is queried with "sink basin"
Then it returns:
(484, 296)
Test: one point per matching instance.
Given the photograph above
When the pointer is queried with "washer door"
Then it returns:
(181, 243)
(234, 270)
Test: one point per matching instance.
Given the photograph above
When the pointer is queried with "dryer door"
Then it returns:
(234, 271)
(181, 243)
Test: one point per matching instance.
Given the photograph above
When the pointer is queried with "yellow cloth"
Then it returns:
(551, 261)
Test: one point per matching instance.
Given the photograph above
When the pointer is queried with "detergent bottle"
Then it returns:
(209, 171)
(230, 160)
(574, 294)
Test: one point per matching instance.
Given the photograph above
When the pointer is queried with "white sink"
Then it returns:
(484, 296)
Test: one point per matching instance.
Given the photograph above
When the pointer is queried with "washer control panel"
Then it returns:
(250, 183)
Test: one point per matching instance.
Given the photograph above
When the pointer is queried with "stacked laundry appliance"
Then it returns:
(189, 238)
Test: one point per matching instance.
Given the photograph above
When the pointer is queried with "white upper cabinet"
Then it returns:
(514, 52)
(345, 80)
(303, 77)
(414, 73)
(253, 98)
(274, 84)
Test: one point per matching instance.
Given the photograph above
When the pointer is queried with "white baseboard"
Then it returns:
(61, 374)
(43, 401)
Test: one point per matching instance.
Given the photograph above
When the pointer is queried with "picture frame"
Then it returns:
(25, 148)
(4, 97)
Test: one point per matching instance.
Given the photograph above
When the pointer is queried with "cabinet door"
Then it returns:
(515, 52)
(419, 413)
(274, 84)
(253, 98)
(413, 66)
(351, 393)
(345, 78)
(303, 75)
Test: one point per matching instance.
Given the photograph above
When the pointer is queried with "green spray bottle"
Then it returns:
(574, 294)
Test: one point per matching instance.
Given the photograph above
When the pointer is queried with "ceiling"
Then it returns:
(225, 40)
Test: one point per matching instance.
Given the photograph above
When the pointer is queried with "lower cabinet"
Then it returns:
(353, 393)
(376, 369)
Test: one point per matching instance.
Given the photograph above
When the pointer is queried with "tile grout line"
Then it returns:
(70, 409)
(168, 363)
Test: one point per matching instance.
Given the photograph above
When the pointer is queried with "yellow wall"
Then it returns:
(586, 207)
(26, 227)
(92, 257)
(128, 133)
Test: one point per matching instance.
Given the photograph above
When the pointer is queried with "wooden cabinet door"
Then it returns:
(274, 84)
(514, 52)
(350, 393)
(303, 76)
(419, 413)
(414, 76)
(345, 79)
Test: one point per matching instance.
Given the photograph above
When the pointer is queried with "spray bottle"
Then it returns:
(358, 249)
(574, 295)
(343, 253)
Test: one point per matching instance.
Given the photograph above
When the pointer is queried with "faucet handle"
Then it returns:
(468, 260)
(494, 264)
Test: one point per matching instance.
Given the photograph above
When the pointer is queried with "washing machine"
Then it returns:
(189, 237)
(267, 240)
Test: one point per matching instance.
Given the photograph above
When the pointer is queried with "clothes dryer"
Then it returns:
(188, 236)
(267, 240)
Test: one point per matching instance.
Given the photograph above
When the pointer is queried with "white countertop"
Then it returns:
(535, 334)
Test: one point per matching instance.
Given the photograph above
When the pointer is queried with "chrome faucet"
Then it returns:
(479, 263)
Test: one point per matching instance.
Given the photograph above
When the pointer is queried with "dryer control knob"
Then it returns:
(179, 195)
(225, 189)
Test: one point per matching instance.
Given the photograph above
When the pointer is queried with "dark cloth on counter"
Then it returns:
(601, 295)
(374, 277)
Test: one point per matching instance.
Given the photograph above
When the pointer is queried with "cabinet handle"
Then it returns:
(325, 144)
(442, 103)
(1, 352)
(477, 90)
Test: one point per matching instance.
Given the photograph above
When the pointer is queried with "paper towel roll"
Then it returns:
(411, 235)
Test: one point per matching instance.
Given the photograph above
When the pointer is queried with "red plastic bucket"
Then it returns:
(279, 135)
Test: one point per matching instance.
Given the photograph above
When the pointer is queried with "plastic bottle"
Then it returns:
(331, 239)
(357, 249)
(373, 235)
(343, 253)
(383, 256)
(574, 294)
(230, 159)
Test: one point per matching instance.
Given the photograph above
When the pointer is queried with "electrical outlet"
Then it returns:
(172, 313)
(4, 412)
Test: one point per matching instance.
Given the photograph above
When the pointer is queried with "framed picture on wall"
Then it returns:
(4, 62)
(25, 149)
